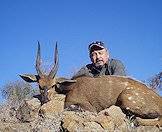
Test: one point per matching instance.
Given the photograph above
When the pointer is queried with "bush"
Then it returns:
(156, 81)
(15, 92)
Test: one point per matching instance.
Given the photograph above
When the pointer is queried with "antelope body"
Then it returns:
(96, 94)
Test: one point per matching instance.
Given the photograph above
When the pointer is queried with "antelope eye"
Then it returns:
(40, 87)
(53, 86)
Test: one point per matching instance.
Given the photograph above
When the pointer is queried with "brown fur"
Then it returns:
(96, 94)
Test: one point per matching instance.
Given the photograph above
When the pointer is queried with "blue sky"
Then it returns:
(131, 29)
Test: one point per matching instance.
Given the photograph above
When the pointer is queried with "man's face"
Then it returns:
(99, 57)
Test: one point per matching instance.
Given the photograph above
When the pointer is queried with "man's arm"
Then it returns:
(118, 68)
(84, 71)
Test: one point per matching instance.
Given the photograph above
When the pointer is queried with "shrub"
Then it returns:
(15, 92)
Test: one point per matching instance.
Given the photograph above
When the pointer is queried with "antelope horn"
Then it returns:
(38, 61)
(55, 67)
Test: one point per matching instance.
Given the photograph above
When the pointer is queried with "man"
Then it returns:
(101, 63)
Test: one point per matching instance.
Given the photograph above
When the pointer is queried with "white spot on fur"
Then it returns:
(153, 97)
(134, 102)
(144, 93)
(137, 107)
(127, 108)
(126, 83)
(143, 103)
(130, 98)
(137, 94)
(129, 88)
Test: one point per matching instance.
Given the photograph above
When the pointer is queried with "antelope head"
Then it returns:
(47, 82)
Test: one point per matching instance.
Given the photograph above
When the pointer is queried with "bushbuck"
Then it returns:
(48, 83)
(97, 94)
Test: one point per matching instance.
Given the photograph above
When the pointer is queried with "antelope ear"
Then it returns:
(29, 77)
(64, 81)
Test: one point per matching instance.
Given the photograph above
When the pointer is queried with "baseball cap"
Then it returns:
(97, 45)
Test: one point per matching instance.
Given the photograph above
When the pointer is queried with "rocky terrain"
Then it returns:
(30, 116)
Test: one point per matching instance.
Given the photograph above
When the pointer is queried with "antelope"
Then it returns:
(48, 83)
(97, 94)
